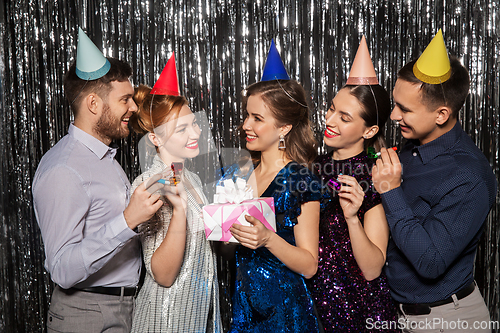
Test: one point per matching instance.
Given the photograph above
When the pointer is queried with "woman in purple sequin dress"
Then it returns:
(350, 290)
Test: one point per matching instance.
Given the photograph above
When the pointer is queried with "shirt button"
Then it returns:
(415, 154)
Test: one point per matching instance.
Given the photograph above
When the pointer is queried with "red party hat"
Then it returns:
(167, 83)
(362, 70)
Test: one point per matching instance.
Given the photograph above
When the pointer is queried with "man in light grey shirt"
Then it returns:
(82, 205)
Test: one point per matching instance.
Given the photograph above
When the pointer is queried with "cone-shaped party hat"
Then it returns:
(433, 66)
(274, 68)
(90, 63)
(362, 70)
(167, 83)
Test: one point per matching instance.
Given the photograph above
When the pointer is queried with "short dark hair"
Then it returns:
(451, 93)
(75, 88)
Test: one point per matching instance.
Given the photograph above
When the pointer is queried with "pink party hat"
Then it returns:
(167, 83)
(362, 70)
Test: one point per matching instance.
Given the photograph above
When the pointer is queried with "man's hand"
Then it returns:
(143, 202)
(386, 174)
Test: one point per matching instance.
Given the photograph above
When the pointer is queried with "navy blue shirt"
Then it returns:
(436, 217)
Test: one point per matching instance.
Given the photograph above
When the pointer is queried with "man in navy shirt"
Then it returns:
(437, 196)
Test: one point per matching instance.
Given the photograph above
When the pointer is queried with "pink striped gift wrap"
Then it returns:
(218, 218)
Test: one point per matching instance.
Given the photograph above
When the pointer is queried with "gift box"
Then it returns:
(218, 218)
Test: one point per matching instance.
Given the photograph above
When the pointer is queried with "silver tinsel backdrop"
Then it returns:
(220, 48)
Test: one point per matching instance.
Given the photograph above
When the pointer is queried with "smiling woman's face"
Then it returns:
(344, 126)
(260, 126)
(179, 137)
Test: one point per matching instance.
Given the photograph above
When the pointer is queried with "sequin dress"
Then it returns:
(269, 297)
(191, 304)
(345, 300)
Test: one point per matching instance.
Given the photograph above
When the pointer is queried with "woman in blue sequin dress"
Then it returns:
(270, 291)
(350, 290)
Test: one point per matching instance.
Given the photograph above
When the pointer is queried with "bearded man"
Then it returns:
(83, 206)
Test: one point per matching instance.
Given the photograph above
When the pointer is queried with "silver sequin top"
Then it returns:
(191, 304)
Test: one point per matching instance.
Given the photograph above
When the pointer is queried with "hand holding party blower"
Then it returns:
(176, 172)
(372, 154)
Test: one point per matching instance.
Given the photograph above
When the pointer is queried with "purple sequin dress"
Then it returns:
(345, 300)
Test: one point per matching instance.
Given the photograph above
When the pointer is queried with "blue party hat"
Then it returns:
(274, 68)
(90, 62)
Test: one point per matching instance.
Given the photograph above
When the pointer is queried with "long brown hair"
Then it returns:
(286, 99)
(149, 116)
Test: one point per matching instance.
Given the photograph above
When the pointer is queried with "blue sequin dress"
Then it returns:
(269, 297)
(345, 300)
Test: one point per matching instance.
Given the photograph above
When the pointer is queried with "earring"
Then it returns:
(364, 137)
(281, 144)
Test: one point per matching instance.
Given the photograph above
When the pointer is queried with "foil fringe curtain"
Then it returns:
(220, 48)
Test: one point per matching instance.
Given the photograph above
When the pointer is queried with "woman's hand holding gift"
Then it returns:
(254, 236)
